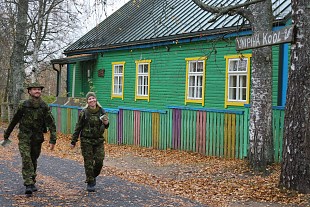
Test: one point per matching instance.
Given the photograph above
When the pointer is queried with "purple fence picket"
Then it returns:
(176, 127)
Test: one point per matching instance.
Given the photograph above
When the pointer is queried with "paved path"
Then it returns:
(61, 183)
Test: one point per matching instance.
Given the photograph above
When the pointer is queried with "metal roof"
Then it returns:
(74, 59)
(149, 21)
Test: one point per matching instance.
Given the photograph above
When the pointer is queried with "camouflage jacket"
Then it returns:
(89, 125)
(33, 120)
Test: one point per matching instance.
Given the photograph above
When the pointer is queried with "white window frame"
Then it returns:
(119, 91)
(237, 67)
(142, 91)
(198, 77)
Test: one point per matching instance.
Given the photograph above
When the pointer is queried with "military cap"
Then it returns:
(89, 94)
(35, 85)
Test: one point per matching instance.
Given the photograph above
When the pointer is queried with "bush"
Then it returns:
(49, 99)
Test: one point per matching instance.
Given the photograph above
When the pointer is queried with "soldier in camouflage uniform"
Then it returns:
(33, 116)
(90, 127)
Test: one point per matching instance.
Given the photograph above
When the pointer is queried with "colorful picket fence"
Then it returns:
(220, 133)
(211, 132)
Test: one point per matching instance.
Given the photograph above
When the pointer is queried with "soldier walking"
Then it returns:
(33, 116)
(90, 127)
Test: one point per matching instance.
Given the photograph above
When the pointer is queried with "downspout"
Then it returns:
(283, 73)
(73, 81)
(58, 80)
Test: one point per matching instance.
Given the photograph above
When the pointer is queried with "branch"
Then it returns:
(230, 10)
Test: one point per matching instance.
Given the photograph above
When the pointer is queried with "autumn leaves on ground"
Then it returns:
(211, 181)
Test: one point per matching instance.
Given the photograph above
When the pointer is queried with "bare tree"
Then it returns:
(6, 45)
(49, 23)
(40, 31)
(48, 76)
(43, 29)
(259, 14)
(295, 171)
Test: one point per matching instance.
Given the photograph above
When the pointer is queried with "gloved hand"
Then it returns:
(5, 142)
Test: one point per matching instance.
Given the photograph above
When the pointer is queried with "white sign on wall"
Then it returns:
(283, 35)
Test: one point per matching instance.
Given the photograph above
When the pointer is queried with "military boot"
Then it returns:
(91, 187)
(28, 190)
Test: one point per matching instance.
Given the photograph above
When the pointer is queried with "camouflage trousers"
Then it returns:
(93, 154)
(30, 149)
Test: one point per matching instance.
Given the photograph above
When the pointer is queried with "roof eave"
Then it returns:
(74, 59)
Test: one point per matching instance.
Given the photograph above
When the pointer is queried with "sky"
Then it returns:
(96, 12)
(92, 12)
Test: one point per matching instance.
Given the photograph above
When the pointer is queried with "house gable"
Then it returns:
(166, 45)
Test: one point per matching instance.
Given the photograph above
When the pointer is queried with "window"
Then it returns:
(118, 80)
(143, 79)
(237, 80)
(195, 81)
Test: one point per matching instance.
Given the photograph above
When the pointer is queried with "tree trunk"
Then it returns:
(16, 87)
(34, 64)
(261, 140)
(295, 171)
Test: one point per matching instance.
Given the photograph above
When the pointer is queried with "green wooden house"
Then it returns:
(171, 79)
